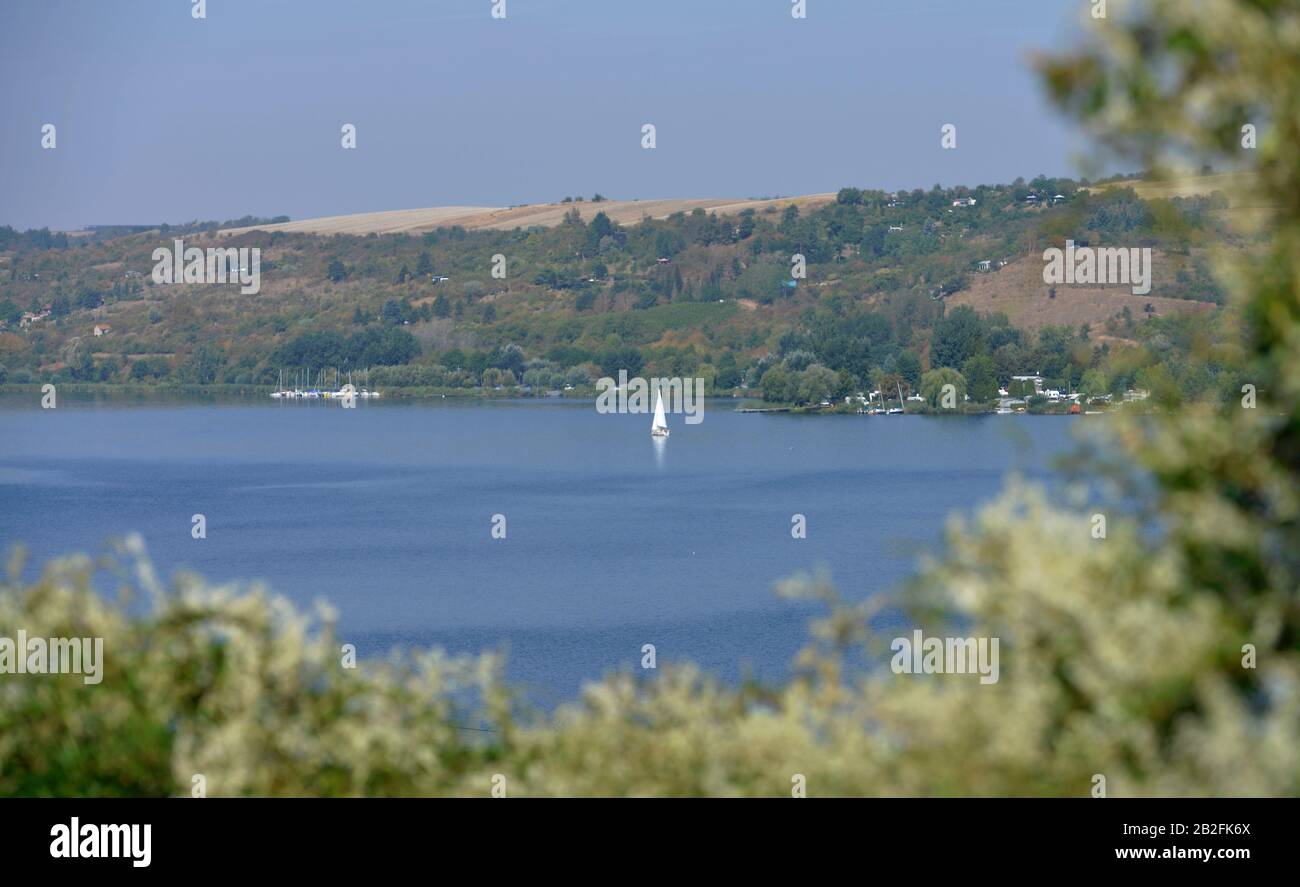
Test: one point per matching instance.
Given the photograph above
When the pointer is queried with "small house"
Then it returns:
(30, 317)
(103, 329)
(1036, 380)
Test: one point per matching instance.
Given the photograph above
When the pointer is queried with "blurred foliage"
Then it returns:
(1120, 656)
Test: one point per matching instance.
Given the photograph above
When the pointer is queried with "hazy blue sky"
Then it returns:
(164, 118)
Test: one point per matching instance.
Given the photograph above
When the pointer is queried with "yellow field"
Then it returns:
(1236, 186)
(623, 212)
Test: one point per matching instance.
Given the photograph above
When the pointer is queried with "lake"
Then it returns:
(612, 539)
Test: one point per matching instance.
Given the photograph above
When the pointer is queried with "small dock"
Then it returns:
(763, 410)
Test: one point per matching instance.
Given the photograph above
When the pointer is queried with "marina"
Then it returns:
(317, 392)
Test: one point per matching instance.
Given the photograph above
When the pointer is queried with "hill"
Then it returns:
(836, 292)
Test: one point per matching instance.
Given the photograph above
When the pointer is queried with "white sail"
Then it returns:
(660, 423)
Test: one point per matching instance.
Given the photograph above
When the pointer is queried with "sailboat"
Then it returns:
(659, 427)
(899, 408)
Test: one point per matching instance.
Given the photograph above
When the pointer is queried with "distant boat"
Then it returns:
(659, 427)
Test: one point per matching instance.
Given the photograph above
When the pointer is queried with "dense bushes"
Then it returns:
(372, 346)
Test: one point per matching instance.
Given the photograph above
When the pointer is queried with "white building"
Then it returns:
(1037, 380)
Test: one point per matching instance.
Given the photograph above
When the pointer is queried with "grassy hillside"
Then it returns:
(1018, 292)
(1238, 187)
(557, 295)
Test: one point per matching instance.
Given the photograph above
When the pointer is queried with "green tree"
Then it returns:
(873, 242)
(1094, 383)
(82, 365)
(933, 382)
(981, 375)
(625, 358)
(393, 311)
(778, 384)
(816, 383)
(1160, 384)
(908, 365)
(202, 366)
(958, 337)
(728, 376)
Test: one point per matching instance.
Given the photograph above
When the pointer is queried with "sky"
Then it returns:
(161, 117)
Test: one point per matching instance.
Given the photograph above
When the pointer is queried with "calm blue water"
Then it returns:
(612, 542)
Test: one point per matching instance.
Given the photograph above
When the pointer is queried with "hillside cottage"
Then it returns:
(30, 317)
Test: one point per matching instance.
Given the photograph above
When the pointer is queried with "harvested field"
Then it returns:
(623, 212)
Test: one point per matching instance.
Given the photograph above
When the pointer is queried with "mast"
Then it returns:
(659, 420)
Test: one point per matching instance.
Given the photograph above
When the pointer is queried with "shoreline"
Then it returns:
(94, 392)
